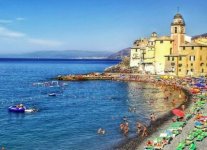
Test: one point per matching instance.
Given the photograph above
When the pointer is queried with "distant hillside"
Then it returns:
(67, 54)
(201, 35)
(120, 54)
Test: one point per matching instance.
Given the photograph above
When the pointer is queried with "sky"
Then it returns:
(97, 25)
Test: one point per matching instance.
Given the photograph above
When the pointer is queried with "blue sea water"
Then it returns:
(71, 119)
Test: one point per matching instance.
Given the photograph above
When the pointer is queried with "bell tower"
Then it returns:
(177, 32)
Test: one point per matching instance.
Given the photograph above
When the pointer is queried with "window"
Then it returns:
(180, 58)
(176, 29)
(192, 47)
(135, 50)
(172, 58)
(191, 64)
(200, 57)
(179, 65)
(191, 70)
(170, 50)
(201, 48)
(201, 64)
(170, 42)
(202, 70)
(192, 58)
(183, 47)
(161, 41)
(168, 58)
(179, 70)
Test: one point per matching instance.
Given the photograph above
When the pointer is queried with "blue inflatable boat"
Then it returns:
(17, 109)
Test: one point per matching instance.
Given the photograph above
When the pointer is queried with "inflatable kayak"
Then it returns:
(17, 109)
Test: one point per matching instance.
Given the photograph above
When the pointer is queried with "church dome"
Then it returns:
(154, 34)
(178, 20)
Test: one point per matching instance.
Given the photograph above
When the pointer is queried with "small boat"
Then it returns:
(17, 109)
(52, 94)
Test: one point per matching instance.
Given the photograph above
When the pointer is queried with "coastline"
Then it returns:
(133, 143)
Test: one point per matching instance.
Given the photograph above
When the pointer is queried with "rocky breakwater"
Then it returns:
(122, 67)
(89, 76)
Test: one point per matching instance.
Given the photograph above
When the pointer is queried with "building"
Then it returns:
(177, 54)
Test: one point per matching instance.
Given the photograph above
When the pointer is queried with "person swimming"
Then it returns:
(101, 131)
(139, 127)
(31, 110)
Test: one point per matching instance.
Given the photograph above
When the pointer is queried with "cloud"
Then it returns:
(4, 32)
(45, 42)
(20, 37)
(20, 19)
(5, 21)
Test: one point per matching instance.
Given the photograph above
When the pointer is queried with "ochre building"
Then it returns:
(177, 54)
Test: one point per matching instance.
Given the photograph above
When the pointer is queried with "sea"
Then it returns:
(70, 120)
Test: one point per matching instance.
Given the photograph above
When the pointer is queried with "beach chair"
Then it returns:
(200, 138)
(177, 128)
(204, 134)
(188, 142)
(190, 137)
(176, 132)
(192, 146)
(181, 146)
(199, 131)
(194, 134)
(188, 116)
(149, 148)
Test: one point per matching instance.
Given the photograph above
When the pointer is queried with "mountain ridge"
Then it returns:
(70, 54)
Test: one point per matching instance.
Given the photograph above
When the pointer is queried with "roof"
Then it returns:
(139, 47)
(178, 15)
(198, 36)
(178, 20)
(164, 38)
(174, 55)
(193, 44)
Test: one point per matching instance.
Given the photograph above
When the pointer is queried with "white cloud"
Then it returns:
(20, 19)
(5, 21)
(4, 32)
(15, 39)
(45, 42)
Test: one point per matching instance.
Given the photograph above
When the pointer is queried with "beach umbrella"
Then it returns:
(199, 85)
(203, 118)
(178, 112)
(201, 96)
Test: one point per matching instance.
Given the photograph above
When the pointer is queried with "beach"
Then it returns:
(163, 122)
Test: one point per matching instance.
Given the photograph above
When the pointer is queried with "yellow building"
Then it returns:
(163, 46)
(149, 54)
(188, 57)
(176, 54)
